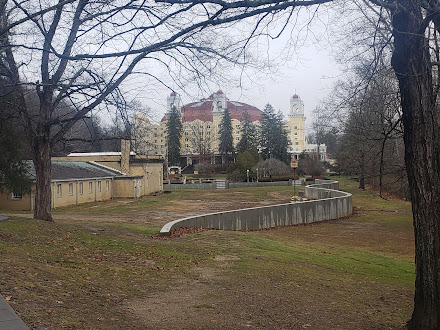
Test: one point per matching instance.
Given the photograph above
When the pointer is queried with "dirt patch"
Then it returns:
(179, 232)
(94, 270)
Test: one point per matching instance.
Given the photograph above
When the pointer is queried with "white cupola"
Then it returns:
(219, 102)
(296, 106)
(173, 100)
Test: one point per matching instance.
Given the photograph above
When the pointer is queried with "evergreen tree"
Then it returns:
(174, 133)
(14, 172)
(226, 146)
(248, 139)
(273, 139)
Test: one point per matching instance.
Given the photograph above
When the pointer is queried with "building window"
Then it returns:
(295, 127)
(80, 188)
(70, 189)
(17, 195)
(296, 133)
(107, 184)
(296, 143)
(59, 190)
(90, 188)
(237, 138)
(99, 186)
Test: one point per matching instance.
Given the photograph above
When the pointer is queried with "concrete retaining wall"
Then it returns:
(173, 186)
(335, 205)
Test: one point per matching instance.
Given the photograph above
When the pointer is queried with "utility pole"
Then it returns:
(294, 165)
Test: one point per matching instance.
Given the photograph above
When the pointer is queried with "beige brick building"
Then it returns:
(90, 177)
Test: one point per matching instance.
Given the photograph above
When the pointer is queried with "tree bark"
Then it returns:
(43, 192)
(412, 65)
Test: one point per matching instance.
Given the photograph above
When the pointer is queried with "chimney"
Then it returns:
(125, 156)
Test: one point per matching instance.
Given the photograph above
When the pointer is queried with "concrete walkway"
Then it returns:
(2, 217)
(8, 319)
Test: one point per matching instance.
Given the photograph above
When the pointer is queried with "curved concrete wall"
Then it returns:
(332, 204)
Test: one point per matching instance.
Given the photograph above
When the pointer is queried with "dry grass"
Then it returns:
(103, 270)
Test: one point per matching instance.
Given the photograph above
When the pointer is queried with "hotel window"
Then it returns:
(296, 143)
(295, 127)
(59, 190)
(296, 133)
(99, 186)
(90, 188)
(107, 184)
(70, 189)
(80, 188)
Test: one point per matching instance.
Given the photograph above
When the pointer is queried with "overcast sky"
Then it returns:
(302, 63)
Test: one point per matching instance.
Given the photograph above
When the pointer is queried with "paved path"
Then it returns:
(8, 319)
(2, 217)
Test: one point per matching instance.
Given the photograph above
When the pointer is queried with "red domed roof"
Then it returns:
(203, 110)
(173, 94)
(219, 92)
(295, 96)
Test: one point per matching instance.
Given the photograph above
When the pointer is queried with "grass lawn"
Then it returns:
(104, 270)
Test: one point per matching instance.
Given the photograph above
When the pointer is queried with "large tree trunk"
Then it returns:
(43, 192)
(412, 65)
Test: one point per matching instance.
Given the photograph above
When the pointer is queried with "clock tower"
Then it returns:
(296, 106)
(296, 126)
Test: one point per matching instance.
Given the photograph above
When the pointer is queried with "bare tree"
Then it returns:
(176, 34)
(415, 61)
(83, 51)
(201, 140)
